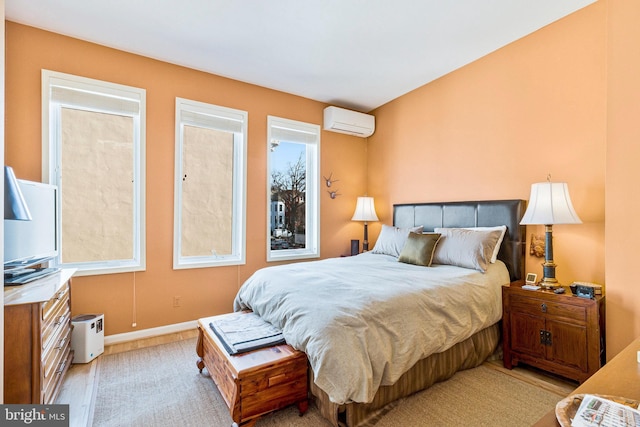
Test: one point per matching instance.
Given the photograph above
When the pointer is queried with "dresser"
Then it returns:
(37, 337)
(559, 333)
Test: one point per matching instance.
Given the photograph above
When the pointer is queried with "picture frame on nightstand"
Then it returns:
(531, 279)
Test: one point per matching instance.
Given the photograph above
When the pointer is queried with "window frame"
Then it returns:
(52, 152)
(312, 190)
(238, 255)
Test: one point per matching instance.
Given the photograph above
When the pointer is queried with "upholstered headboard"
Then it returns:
(473, 214)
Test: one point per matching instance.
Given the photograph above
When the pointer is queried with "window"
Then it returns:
(293, 190)
(93, 150)
(210, 185)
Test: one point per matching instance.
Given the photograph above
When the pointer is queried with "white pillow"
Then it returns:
(392, 239)
(502, 228)
(467, 248)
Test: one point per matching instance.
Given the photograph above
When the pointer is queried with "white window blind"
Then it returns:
(73, 97)
(93, 134)
(210, 185)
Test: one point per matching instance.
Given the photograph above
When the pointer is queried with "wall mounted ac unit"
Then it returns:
(348, 121)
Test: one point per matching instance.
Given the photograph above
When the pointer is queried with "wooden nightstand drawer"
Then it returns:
(536, 306)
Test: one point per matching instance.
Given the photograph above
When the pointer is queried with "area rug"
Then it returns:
(161, 386)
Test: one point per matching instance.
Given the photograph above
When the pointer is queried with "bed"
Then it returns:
(375, 329)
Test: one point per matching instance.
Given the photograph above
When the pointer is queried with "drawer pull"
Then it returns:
(61, 294)
(277, 379)
(543, 307)
(61, 368)
(61, 344)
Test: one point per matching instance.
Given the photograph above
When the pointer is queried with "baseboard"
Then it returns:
(151, 332)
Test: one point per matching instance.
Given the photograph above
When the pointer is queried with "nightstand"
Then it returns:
(558, 333)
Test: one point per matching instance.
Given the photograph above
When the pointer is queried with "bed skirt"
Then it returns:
(438, 367)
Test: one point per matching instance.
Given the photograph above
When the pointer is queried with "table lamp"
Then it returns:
(15, 206)
(365, 211)
(549, 204)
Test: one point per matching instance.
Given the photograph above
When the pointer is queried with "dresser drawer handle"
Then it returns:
(543, 307)
(61, 368)
(61, 344)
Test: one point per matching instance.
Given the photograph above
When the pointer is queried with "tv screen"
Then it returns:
(32, 242)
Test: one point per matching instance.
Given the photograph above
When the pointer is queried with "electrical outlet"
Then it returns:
(176, 301)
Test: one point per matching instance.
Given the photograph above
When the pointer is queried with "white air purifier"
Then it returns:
(87, 338)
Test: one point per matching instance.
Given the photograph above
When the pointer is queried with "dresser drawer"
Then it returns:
(59, 319)
(52, 355)
(53, 305)
(60, 363)
(536, 307)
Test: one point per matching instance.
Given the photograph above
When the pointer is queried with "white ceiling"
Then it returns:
(356, 54)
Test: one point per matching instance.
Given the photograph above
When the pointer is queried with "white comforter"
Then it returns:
(365, 320)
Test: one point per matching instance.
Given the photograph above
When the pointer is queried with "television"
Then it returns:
(28, 243)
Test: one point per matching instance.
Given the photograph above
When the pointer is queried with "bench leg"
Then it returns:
(200, 364)
(200, 350)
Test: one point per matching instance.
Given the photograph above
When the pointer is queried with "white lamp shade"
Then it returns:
(15, 207)
(365, 210)
(549, 204)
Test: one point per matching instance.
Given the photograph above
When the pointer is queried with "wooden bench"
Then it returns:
(255, 383)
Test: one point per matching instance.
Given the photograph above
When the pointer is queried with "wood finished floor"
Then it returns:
(80, 386)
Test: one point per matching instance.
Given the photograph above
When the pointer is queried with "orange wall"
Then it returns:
(494, 127)
(564, 100)
(203, 292)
